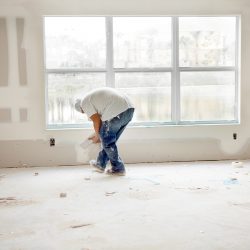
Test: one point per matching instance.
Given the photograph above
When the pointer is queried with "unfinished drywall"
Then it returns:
(25, 96)
(35, 153)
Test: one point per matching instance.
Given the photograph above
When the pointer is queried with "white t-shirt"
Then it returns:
(107, 102)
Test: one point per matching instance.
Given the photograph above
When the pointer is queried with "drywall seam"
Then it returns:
(23, 115)
(12, 44)
(21, 52)
(4, 60)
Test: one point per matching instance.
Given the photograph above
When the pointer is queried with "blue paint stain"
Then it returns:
(231, 181)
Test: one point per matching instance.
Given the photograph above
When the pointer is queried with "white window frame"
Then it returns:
(175, 71)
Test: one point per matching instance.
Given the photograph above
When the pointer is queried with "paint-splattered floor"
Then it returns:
(168, 206)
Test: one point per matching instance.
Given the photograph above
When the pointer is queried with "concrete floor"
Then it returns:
(168, 206)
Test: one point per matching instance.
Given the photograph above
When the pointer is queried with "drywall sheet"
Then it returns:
(22, 153)
(3, 53)
(5, 115)
(21, 51)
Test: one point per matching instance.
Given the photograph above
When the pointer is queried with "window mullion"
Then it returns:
(219, 69)
(68, 71)
(175, 89)
(168, 69)
(110, 76)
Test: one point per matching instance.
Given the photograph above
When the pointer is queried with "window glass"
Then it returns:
(142, 42)
(207, 96)
(75, 42)
(149, 92)
(207, 41)
(64, 89)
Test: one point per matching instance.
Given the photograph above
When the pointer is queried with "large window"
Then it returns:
(176, 70)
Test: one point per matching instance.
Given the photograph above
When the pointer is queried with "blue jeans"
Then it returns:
(110, 132)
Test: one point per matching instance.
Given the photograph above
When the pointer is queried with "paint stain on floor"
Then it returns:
(12, 201)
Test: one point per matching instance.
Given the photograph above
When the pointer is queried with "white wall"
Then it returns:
(26, 143)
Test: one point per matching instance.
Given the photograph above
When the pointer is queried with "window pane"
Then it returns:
(64, 89)
(150, 93)
(75, 42)
(207, 96)
(207, 41)
(142, 42)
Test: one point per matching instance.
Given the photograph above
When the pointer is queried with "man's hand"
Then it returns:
(97, 122)
(94, 138)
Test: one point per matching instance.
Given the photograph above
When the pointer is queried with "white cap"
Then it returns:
(78, 106)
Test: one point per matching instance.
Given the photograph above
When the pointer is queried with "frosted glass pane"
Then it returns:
(75, 42)
(207, 96)
(64, 89)
(150, 93)
(142, 42)
(207, 41)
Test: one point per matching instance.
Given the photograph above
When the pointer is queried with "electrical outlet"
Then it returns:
(52, 142)
(235, 136)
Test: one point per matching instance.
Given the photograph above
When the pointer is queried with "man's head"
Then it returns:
(78, 106)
